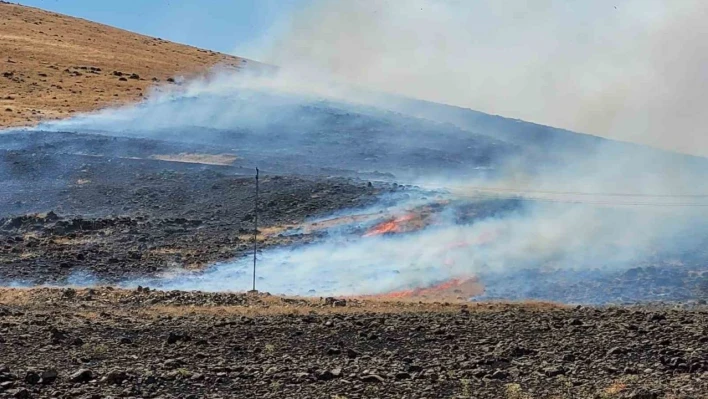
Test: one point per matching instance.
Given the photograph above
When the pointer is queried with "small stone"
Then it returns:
(114, 377)
(172, 364)
(352, 354)
(325, 376)
(554, 371)
(499, 375)
(615, 351)
(83, 375)
(373, 378)
(57, 335)
(32, 378)
(334, 351)
(479, 373)
(413, 368)
(22, 394)
(172, 338)
(331, 301)
(403, 376)
(49, 376)
(656, 317)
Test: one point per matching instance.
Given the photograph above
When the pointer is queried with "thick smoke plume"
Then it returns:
(605, 207)
(630, 70)
(590, 204)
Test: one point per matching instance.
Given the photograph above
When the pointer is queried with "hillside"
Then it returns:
(54, 65)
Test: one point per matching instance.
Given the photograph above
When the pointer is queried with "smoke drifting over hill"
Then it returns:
(597, 206)
(631, 70)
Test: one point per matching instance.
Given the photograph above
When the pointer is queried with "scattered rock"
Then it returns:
(32, 378)
(403, 376)
(554, 371)
(23, 393)
(81, 376)
(172, 364)
(114, 377)
(656, 317)
(329, 375)
(499, 375)
(330, 301)
(615, 351)
(414, 368)
(372, 378)
(49, 376)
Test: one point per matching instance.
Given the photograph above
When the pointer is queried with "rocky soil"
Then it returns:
(111, 343)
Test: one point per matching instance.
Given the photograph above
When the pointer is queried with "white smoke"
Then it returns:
(585, 66)
(610, 208)
(630, 70)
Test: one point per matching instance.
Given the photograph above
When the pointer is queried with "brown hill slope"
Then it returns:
(53, 65)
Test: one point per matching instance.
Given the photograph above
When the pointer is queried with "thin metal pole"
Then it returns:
(255, 234)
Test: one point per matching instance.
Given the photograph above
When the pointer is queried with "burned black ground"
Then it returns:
(121, 215)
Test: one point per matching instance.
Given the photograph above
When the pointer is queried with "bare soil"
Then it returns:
(112, 343)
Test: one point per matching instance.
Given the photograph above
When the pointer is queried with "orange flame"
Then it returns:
(396, 225)
(456, 287)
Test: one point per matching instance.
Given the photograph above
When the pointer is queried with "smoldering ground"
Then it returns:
(597, 205)
(591, 204)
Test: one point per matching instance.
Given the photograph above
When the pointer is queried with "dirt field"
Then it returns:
(143, 343)
(53, 66)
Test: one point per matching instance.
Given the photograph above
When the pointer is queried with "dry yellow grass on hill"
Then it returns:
(53, 65)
